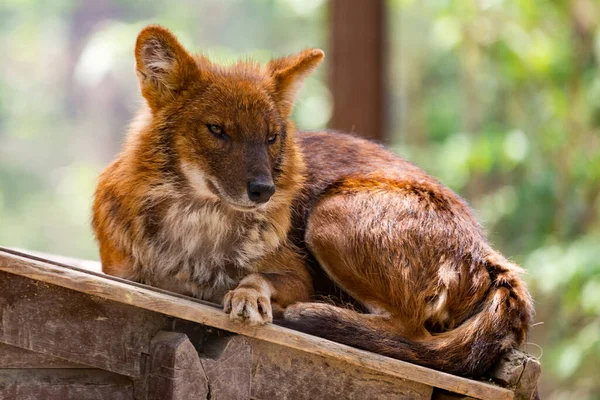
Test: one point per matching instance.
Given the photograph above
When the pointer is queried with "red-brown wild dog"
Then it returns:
(215, 195)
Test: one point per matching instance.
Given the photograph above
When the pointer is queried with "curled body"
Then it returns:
(215, 195)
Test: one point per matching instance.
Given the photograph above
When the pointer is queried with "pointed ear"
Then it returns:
(288, 73)
(163, 66)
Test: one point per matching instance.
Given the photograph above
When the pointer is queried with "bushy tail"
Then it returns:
(469, 350)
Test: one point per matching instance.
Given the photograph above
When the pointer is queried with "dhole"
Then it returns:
(215, 195)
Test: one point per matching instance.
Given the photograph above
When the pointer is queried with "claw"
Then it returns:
(248, 305)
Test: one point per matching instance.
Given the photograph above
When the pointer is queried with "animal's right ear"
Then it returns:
(163, 66)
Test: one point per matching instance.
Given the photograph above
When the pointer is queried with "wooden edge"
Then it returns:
(187, 308)
(527, 387)
(87, 265)
(56, 260)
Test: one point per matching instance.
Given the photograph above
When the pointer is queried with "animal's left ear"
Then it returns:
(288, 73)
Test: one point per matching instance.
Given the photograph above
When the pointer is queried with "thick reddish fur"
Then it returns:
(171, 211)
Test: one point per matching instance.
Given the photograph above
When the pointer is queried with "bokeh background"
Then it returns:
(500, 99)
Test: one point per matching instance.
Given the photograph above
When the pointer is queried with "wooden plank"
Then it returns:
(227, 363)
(63, 384)
(88, 265)
(193, 310)
(320, 378)
(520, 371)
(440, 394)
(508, 373)
(225, 370)
(74, 326)
(15, 357)
(527, 387)
(174, 369)
(357, 67)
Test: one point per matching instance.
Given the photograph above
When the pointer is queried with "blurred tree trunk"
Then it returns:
(357, 67)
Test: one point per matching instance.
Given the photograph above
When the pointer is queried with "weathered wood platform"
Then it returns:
(68, 332)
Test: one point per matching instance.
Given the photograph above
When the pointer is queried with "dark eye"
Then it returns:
(272, 138)
(217, 131)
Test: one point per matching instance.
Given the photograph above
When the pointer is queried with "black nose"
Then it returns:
(260, 191)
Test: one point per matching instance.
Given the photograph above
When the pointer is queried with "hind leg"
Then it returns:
(414, 255)
(357, 238)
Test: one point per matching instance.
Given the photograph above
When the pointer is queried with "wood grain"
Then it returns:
(63, 384)
(190, 309)
(227, 363)
(88, 265)
(527, 387)
(174, 369)
(317, 377)
(74, 326)
(15, 357)
(520, 371)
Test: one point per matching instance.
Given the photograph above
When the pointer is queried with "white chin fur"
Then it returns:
(198, 181)
(244, 208)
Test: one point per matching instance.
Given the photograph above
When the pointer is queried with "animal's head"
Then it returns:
(230, 126)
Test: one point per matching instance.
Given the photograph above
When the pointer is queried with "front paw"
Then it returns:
(248, 305)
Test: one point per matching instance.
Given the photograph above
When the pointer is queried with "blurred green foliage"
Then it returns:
(499, 99)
